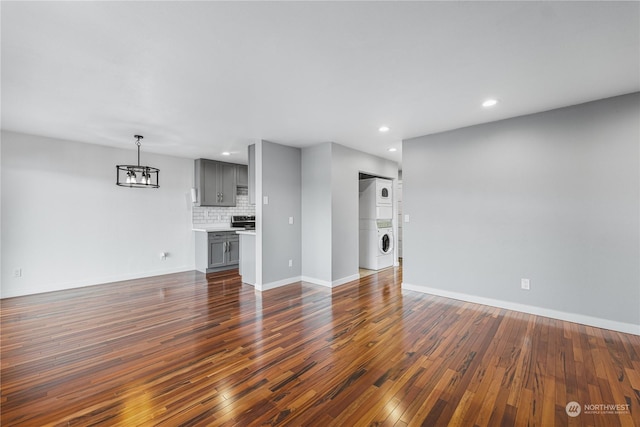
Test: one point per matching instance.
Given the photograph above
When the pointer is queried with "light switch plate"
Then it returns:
(406, 218)
(265, 200)
(290, 220)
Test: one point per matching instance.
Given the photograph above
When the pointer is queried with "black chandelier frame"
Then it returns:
(127, 175)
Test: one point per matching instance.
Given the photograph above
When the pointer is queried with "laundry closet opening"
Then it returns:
(376, 233)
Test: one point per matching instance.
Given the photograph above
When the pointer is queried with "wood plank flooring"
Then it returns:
(188, 350)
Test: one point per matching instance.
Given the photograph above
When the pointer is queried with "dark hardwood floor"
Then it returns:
(184, 349)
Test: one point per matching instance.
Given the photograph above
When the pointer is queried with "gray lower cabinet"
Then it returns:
(233, 250)
(217, 251)
(223, 249)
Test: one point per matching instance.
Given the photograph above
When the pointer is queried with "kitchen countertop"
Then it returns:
(211, 228)
(214, 228)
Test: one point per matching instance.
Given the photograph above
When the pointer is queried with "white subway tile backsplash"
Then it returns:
(207, 216)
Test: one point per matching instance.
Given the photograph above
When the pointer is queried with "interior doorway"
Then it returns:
(377, 218)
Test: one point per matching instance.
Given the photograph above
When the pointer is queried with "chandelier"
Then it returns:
(137, 176)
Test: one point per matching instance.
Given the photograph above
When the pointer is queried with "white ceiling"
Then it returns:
(199, 78)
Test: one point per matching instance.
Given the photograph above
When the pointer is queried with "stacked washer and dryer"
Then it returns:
(376, 225)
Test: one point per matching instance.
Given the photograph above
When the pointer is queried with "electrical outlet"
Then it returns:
(290, 263)
(406, 218)
(290, 220)
(524, 284)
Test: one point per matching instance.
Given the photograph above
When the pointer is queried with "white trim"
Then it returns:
(257, 160)
(315, 281)
(344, 280)
(613, 325)
(332, 284)
(49, 287)
(277, 283)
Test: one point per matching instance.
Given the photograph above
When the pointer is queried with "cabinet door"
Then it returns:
(227, 184)
(215, 183)
(233, 250)
(242, 176)
(205, 182)
(217, 253)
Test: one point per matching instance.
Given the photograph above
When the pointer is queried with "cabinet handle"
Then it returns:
(224, 247)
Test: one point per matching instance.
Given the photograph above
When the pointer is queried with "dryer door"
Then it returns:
(383, 192)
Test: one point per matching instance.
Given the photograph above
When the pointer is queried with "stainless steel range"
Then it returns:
(246, 222)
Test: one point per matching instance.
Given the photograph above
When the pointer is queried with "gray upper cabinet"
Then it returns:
(242, 176)
(215, 183)
(227, 177)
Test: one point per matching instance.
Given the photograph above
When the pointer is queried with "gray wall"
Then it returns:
(282, 183)
(316, 211)
(66, 224)
(346, 164)
(330, 206)
(553, 197)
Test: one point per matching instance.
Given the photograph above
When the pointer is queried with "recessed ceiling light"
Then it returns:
(489, 103)
(383, 128)
(226, 153)
(393, 149)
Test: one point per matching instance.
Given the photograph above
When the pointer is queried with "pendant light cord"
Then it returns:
(139, 137)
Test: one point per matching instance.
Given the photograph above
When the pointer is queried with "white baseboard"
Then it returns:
(344, 280)
(53, 287)
(277, 283)
(315, 281)
(332, 284)
(613, 325)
